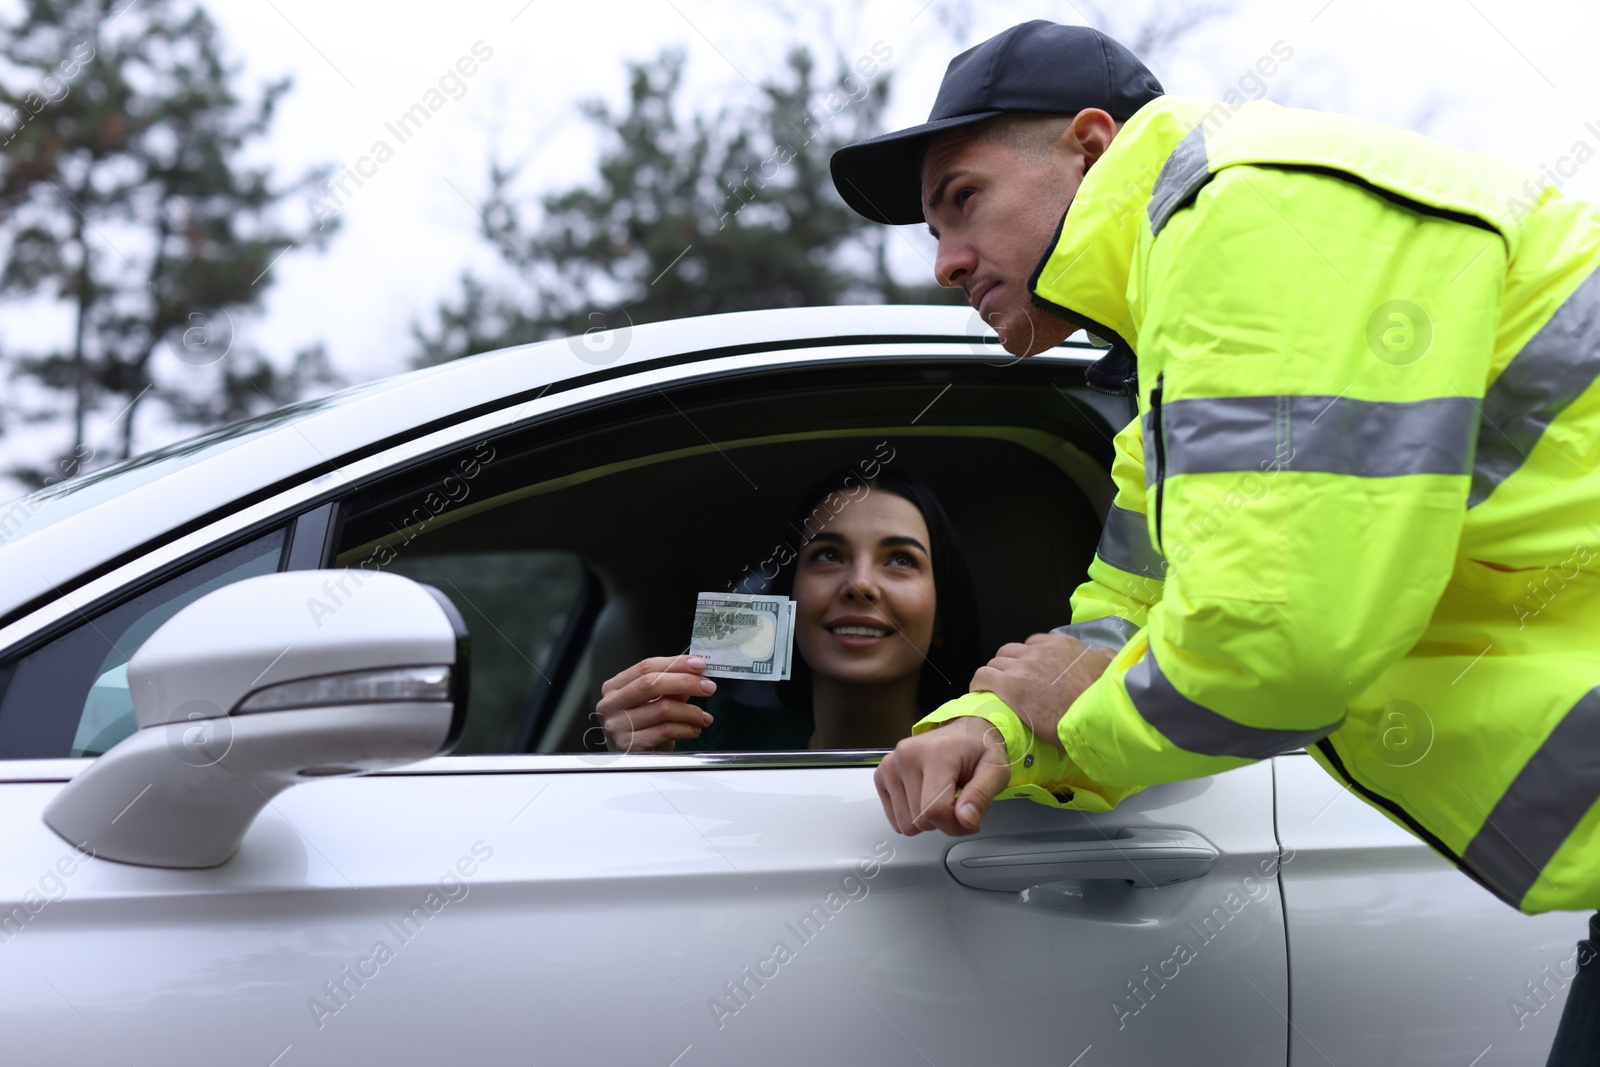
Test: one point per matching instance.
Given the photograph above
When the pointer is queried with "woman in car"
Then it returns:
(885, 631)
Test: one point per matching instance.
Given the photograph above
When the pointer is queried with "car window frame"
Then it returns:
(425, 474)
(310, 509)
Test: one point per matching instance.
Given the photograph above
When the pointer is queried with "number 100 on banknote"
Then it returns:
(744, 636)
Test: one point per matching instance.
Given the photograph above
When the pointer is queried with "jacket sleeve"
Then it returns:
(1311, 357)
(1124, 583)
(1125, 576)
(1040, 772)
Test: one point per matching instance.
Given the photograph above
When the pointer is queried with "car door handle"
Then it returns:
(1144, 856)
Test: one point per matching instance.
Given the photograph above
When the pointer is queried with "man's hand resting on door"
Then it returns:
(917, 782)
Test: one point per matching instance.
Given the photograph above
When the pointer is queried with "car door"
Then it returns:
(1387, 932)
(590, 907)
(656, 909)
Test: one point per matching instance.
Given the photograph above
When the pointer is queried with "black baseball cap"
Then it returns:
(1038, 66)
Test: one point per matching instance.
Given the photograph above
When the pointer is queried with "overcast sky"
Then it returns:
(1515, 78)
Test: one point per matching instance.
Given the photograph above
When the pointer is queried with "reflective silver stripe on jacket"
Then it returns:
(1125, 544)
(1329, 434)
(1197, 728)
(1182, 175)
(1108, 631)
(1553, 369)
(1543, 805)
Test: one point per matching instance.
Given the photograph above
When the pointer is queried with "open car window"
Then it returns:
(522, 609)
(576, 547)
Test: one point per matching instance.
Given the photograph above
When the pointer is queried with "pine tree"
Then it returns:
(730, 211)
(125, 204)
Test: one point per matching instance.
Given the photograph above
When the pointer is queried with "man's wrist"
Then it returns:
(1046, 731)
(1030, 761)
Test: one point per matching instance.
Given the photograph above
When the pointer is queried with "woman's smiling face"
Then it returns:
(864, 593)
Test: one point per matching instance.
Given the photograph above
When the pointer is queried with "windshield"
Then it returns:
(49, 505)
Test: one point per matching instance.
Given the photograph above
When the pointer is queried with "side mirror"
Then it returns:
(259, 686)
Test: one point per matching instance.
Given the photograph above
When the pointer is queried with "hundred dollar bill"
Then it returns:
(744, 636)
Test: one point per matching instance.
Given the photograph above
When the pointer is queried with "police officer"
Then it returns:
(1361, 503)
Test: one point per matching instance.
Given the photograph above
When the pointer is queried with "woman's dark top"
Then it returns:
(749, 717)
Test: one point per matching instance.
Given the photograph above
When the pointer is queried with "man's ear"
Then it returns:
(1091, 131)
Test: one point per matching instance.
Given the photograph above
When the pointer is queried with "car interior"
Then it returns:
(580, 547)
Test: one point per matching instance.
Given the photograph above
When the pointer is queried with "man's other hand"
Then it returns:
(1040, 678)
(917, 782)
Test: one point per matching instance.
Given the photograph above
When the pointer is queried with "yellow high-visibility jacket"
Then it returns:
(1360, 510)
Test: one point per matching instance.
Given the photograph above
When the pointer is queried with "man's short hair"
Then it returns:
(1029, 134)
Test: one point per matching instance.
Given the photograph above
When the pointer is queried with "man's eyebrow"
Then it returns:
(937, 196)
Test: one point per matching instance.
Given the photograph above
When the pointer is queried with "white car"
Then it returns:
(167, 898)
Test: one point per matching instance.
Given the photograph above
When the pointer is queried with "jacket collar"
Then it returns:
(1084, 276)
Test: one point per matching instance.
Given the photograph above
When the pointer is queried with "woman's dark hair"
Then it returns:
(955, 654)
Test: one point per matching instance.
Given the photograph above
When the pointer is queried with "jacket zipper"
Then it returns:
(1411, 823)
(1161, 451)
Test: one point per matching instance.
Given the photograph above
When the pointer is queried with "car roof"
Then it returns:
(99, 516)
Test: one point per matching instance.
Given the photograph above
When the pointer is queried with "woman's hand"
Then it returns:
(645, 708)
